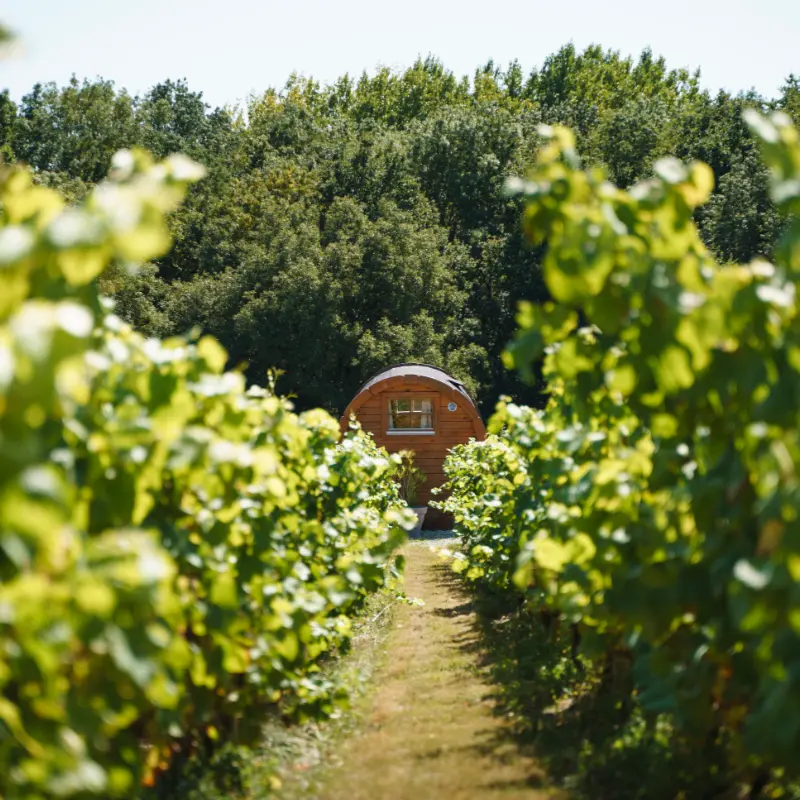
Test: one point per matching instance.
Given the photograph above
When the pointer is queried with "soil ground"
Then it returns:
(432, 729)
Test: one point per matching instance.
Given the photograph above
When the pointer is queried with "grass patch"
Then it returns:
(293, 759)
(431, 731)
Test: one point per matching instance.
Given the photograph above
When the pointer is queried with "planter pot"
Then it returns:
(420, 511)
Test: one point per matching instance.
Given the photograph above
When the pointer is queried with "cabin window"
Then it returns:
(411, 415)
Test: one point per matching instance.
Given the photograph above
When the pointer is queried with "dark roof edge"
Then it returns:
(449, 377)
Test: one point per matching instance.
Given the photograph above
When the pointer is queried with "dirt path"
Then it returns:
(431, 731)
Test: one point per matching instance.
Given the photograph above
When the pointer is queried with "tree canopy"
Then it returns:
(347, 226)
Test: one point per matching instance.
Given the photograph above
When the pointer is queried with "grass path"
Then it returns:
(462, 706)
(431, 730)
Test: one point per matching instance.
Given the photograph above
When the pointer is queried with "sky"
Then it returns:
(229, 49)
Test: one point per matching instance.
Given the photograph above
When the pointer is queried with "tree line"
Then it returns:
(343, 227)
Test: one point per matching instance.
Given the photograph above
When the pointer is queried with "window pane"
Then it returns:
(411, 413)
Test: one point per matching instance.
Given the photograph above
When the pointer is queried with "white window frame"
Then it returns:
(410, 431)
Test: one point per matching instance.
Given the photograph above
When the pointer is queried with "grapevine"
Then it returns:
(177, 552)
(653, 503)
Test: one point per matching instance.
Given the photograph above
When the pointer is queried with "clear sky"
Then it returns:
(230, 48)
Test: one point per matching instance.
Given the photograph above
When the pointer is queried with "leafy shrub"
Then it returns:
(654, 501)
(177, 552)
(410, 478)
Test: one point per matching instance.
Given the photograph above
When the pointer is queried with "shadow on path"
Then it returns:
(432, 731)
(583, 734)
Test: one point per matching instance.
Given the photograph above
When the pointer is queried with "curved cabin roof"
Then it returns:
(419, 371)
(399, 376)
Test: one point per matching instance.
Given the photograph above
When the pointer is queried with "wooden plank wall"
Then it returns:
(451, 428)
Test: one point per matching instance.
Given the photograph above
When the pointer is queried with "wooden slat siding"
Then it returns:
(432, 470)
(451, 427)
(369, 414)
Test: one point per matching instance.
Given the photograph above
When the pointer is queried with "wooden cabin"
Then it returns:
(421, 408)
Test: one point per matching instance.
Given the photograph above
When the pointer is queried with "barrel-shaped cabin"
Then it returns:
(421, 408)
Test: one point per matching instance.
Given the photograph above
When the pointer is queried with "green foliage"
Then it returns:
(789, 101)
(346, 226)
(177, 552)
(410, 477)
(76, 129)
(654, 502)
